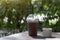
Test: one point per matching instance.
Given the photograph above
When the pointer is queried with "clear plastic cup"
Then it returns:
(32, 27)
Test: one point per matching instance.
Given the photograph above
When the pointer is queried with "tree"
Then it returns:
(15, 10)
(50, 8)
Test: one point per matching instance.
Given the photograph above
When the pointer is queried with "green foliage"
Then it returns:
(15, 10)
(50, 8)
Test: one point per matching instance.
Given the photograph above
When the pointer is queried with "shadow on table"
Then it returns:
(41, 37)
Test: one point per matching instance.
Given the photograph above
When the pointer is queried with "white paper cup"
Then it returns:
(47, 32)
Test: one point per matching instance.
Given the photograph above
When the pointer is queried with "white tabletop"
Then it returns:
(25, 36)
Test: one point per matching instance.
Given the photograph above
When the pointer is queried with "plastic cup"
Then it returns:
(32, 27)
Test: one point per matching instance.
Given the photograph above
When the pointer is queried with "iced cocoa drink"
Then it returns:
(32, 28)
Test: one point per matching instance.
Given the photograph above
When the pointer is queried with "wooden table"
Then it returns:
(25, 36)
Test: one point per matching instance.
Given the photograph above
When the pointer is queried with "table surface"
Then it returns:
(25, 36)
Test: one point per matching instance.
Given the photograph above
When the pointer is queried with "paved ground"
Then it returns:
(24, 36)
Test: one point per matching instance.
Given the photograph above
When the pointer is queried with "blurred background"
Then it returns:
(14, 13)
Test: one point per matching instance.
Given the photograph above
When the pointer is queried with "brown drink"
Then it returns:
(32, 28)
